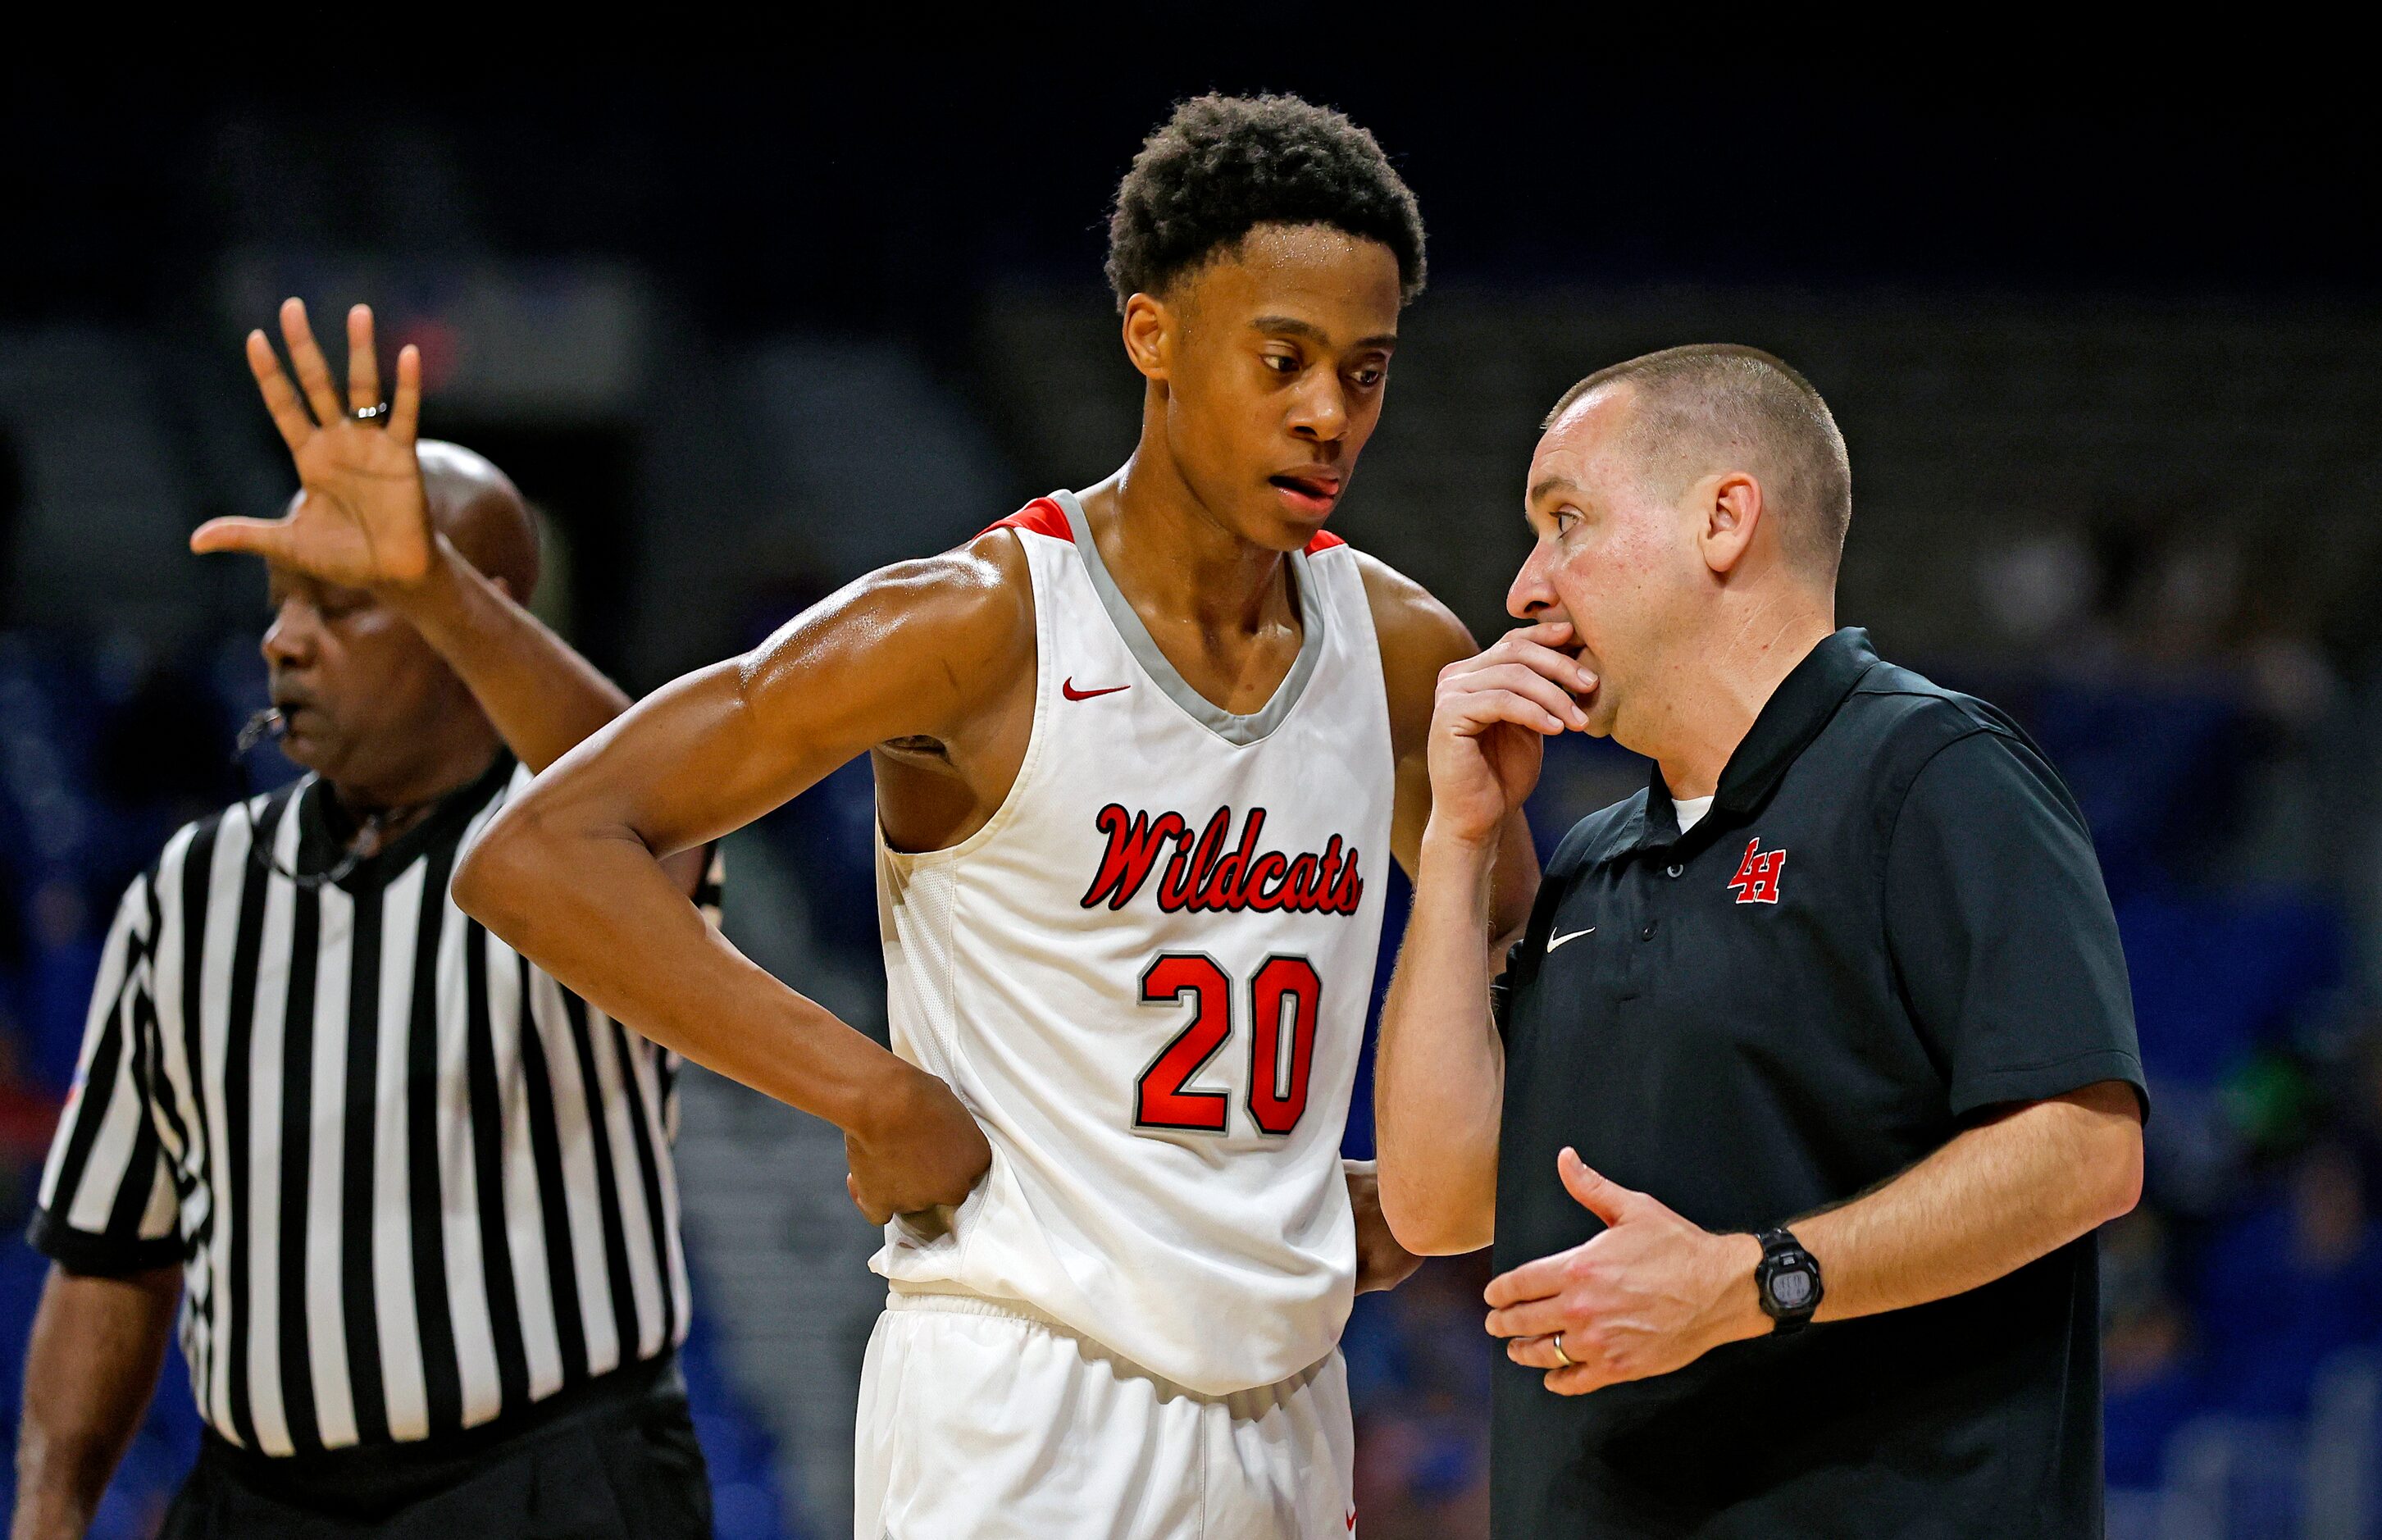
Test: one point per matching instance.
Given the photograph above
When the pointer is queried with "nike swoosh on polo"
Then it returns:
(1069, 690)
(1554, 941)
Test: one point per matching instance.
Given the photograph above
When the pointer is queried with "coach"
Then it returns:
(1813, 1072)
(416, 1199)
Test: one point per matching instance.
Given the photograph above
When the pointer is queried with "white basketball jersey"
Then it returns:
(1147, 978)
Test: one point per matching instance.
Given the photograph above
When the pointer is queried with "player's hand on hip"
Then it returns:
(923, 1152)
(1489, 722)
(1651, 1293)
(1382, 1263)
(362, 519)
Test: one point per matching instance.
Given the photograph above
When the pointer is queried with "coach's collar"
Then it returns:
(1803, 704)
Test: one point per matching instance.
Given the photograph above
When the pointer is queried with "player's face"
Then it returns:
(1271, 362)
(1615, 555)
(361, 694)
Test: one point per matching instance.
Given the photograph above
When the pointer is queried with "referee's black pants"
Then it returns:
(615, 1459)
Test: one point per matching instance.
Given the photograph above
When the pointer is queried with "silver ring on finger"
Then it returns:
(1556, 1343)
(368, 414)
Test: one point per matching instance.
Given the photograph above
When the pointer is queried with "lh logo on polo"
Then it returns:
(1757, 876)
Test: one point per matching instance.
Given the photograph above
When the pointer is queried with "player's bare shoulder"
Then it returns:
(920, 647)
(974, 607)
(937, 656)
(1419, 636)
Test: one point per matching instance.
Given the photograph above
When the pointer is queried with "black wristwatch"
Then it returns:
(1789, 1279)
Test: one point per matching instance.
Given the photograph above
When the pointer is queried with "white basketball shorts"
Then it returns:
(980, 1423)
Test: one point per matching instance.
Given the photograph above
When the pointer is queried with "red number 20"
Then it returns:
(1285, 986)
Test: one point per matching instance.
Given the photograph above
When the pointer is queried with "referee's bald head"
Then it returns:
(479, 510)
(1711, 407)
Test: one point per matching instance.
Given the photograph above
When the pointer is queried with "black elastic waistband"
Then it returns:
(375, 1479)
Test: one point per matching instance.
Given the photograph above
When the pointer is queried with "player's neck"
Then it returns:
(1170, 555)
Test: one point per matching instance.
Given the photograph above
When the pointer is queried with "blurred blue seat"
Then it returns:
(2140, 1419)
(748, 1502)
(2213, 977)
(2273, 1317)
(829, 834)
(1579, 775)
(2236, 1478)
(2152, 770)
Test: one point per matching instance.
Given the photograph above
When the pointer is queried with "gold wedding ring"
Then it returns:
(1556, 1342)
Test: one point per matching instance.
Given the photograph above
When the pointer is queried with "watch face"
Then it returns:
(1790, 1289)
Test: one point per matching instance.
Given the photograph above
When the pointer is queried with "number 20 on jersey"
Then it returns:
(1285, 996)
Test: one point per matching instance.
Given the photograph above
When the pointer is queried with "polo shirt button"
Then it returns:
(1647, 933)
(1674, 869)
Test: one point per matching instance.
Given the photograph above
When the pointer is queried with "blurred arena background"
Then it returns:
(2110, 380)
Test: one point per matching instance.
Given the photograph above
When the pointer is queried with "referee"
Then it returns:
(1815, 1069)
(416, 1200)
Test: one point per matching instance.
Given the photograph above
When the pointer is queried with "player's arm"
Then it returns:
(364, 522)
(90, 1368)
(570, 875)
(1439, 1081)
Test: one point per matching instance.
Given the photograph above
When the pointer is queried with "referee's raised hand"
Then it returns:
(1489, 722)
(363, 519)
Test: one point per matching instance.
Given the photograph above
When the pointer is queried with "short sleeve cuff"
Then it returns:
(99, 1256)
(2041, 1082)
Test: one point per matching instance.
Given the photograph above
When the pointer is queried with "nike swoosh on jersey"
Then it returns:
(1069, 690)
(1554, 941)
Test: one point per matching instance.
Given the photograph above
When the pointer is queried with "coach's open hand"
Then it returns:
(1650, 1294)
(921, 1150)
(363, 521)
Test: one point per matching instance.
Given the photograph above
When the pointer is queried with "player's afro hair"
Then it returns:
(1223, 165)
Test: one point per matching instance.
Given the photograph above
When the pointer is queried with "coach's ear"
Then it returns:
(1727, 508)
(1148, 326)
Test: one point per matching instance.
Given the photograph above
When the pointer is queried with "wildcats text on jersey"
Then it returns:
(1203, 875)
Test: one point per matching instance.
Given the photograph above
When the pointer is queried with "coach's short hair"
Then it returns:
(1700, 407)
(1223, 165)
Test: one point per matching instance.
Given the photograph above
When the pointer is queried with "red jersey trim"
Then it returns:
(1044, 516)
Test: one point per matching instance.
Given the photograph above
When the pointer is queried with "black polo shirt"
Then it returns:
(1889, 922)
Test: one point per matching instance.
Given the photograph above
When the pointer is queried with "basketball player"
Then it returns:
(1141, 753)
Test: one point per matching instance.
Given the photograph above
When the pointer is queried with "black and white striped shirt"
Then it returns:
(412, 1181)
